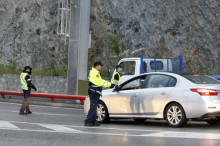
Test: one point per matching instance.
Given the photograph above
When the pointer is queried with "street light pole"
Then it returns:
(78, 43)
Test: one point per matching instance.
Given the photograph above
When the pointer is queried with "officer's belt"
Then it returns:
(94, 86)
(95, 91)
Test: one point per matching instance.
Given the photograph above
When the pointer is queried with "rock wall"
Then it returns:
(163, 28)
(44, 84)
(28, 34)
(155, 28)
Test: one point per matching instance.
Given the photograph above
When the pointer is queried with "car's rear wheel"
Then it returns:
(175, 115)
(102, 113)
(213, 121)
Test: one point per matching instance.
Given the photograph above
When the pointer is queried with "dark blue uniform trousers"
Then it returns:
(92, 114)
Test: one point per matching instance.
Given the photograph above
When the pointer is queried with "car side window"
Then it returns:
(158, 81)
(172, 82)
(134, 84)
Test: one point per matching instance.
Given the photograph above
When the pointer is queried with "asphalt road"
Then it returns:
(64, 126)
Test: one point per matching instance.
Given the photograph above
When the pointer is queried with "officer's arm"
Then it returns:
(103, 83)
(116, 78)
(98, 81)
(28, 79)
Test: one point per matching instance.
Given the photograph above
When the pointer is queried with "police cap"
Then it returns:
(27, 67)
(98, 63)
(118, 66)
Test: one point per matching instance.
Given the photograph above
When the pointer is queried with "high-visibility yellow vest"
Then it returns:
(24, 84)
(96, 79)
(113, 80)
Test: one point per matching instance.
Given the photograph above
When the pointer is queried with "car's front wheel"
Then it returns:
(213, 121)
(102, 113)
(175, 115)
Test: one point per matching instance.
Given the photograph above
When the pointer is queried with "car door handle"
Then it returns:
(163, 93)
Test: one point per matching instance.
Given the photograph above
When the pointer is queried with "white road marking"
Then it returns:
(101, 128)
(7, 125)
(185, 135)
(44, 106)
(45, 114)
(190, 136)
(54, 128)
(59, 128)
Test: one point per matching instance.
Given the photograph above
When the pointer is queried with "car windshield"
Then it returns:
(201, 79)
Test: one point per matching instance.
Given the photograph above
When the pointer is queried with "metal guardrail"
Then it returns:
(44, 95)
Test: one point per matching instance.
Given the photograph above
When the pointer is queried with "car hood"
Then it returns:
(107, 91)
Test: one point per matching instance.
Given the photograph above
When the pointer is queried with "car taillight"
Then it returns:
(205, 92)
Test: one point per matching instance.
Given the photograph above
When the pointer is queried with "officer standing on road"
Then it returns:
(26, 85)
(116, 77)
(95, 89)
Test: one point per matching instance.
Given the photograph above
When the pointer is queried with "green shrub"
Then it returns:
(12, 69)
(114, 44)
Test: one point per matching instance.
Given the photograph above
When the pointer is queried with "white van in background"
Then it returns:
(136, 66)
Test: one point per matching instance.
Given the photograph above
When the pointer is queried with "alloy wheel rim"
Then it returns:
(100, 112)
(174, 115)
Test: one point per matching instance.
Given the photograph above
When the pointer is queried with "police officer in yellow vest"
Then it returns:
(26, 85)
(95, 88)
(116, 77)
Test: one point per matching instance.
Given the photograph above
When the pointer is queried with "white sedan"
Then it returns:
(160, 95)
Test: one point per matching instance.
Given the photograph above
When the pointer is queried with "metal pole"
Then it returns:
(84, 39)
(142, 64)
(78, 43)
(181, 63)
(73, 51)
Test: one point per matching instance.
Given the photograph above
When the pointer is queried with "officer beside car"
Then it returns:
(95, 91)
(116, 77)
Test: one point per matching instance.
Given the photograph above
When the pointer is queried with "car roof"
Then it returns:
(185, 73)
(215, 76)
(176, 73)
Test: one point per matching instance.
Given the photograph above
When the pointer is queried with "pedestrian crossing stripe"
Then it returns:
(59, 128)
(7, 125)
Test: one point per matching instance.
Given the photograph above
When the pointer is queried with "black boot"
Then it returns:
(22, 113)
(28, 111)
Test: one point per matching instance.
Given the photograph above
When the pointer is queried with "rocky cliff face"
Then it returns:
(28, 34)
(164, 28)
(155, 28)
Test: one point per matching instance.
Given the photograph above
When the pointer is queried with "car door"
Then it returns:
(126, 100)
(157, 89)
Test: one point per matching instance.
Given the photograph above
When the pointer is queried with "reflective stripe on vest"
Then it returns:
(113, 80)
(24, 85)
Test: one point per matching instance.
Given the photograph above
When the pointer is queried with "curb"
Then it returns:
(66, 105)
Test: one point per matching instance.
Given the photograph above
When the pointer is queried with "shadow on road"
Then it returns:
(162, 124)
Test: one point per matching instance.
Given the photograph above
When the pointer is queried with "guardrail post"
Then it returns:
(3, 96)
(82, 102)
(53, 100)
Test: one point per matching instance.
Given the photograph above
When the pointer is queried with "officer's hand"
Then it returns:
(116, 87)
(112, 86)
(35, 89)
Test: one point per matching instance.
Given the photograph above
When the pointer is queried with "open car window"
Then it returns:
(136, 83)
